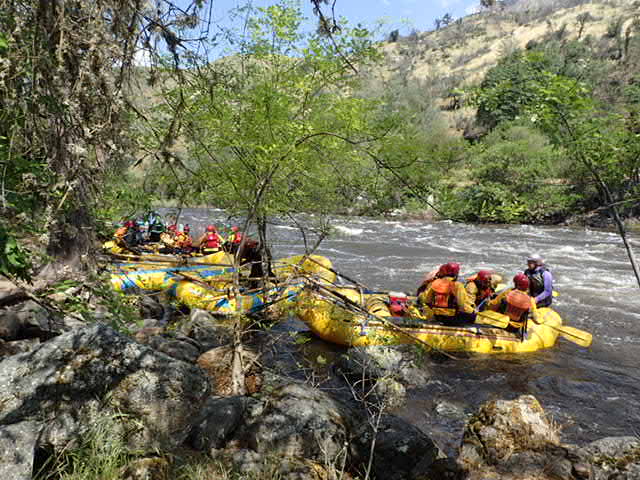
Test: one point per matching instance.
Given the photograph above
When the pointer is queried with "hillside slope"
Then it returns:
(459, 54)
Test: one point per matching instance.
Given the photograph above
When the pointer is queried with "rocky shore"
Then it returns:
(163, 390)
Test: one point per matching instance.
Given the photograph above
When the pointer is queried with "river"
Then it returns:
(589, 393)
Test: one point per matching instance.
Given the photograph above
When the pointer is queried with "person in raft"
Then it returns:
(540, 281)
(481, 286)
(234, 240)
(447, 298)
(210, 241)
(517, 304)
(184, 242)
(127, 235)
(202, 239)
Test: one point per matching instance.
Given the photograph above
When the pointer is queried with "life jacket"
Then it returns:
(482, 292)
(444, 302)
(236, 238)
(516, 307)
(120, 232)
(212, 243)
(183, 240)
(536, 285)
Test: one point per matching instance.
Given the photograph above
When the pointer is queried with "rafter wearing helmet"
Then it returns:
(517, 304)
(446, 296)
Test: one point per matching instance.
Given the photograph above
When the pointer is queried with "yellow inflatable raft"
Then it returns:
(225, 302)
(339, 322)
(152, 277)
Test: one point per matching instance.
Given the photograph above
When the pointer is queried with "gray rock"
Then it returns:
(10, 293)
(17, 445)
(208, 331)
(9, 325)
(401, 450)
(297, 420)
(398, 361)
(391, 392)
(97, 369)
(217, 420)
(33, 315)
(175, 348)
(150, 307)
(613, 458)
(502, 428)
(17, 346)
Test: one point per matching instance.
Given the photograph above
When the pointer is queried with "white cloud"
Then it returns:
(473, 8)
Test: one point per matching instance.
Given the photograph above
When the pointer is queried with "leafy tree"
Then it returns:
(513, 179)
(280, 134)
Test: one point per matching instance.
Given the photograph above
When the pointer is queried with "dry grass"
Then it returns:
(467, 48)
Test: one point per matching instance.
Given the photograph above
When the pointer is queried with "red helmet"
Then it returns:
(173, 228)
(235, 229)
(186, 229)
(453, 269)
(129, 224)
(484, 276)
(521, 281)
(211, 228)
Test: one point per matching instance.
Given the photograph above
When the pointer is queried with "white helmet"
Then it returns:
(535, 258)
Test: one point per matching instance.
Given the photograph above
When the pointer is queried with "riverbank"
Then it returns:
(159, 395)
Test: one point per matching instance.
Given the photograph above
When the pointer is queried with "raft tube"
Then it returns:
(339, 324)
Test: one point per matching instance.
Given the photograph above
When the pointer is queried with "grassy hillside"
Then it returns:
(460, 53)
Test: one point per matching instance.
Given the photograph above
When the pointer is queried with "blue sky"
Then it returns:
(401, 14)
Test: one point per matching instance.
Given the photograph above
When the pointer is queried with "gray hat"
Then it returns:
(535, 257)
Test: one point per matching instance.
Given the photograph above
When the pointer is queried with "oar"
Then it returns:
(495, 319)
(575, 335)
(347, 301)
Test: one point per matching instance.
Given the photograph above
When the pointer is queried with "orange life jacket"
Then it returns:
(444, 299)
(121, 232)
(518, 305)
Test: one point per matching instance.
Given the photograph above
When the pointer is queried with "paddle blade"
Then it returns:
(575, 335)
(495, 319)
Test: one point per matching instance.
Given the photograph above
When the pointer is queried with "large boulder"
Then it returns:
(17, 445)
(68, 381)
(399, 362)
(300, 421)
(218, 420)
(612, 457)
(504, 427)
(400, 450)
(207, 330)
(514, 440)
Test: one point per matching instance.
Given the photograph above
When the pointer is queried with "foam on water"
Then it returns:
(344, 230)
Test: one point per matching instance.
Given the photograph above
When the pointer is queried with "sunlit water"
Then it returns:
(591, 393)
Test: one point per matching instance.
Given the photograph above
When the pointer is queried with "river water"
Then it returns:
(590, 393)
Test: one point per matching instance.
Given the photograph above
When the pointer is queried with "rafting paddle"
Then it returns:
(495, 319)
(575, 335)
